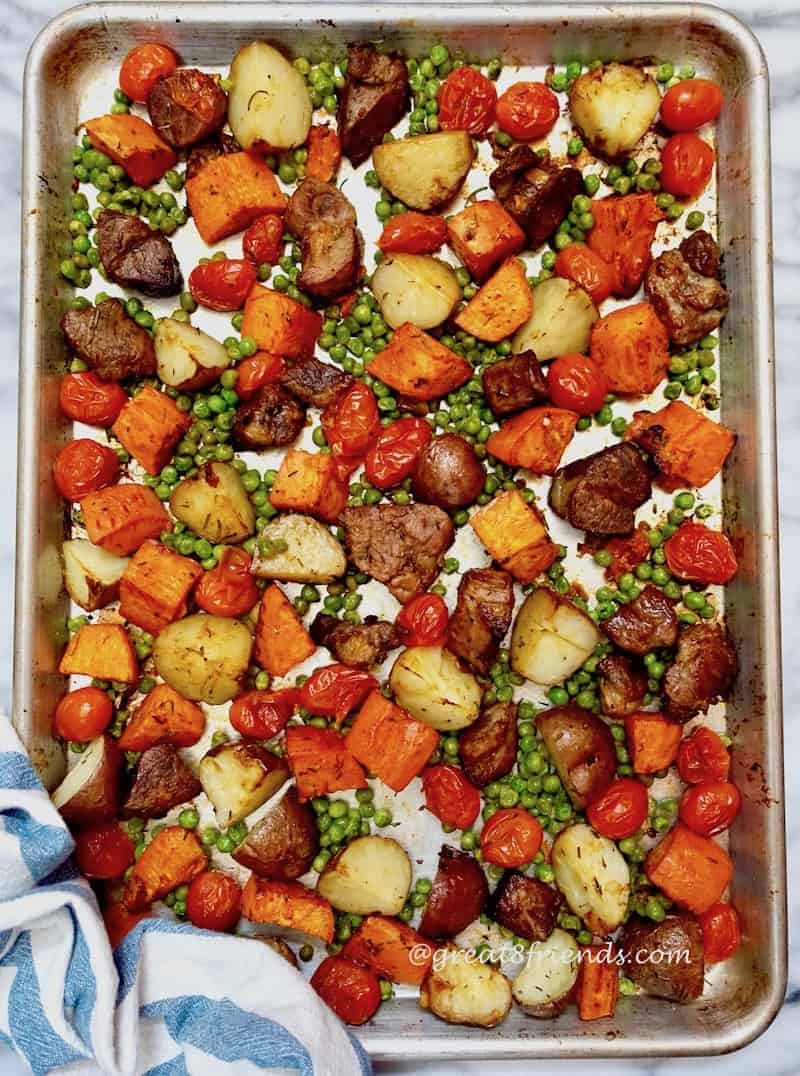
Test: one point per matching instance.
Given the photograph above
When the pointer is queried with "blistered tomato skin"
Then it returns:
(85, 397)
(262, 243)
(527, 110)
(702, 756)
(467, 101)
(352, 422)
(690, 104)
(260, 715)
(450, 796)
(511, 837)
(423, 620)
(143, 66)
(104, 851)
(336, 689)
(353, 992)
(686, 165)
(577, 383)
(721, 932)
(699, 555)
(580, 264)
(710, 807)
(83, 715)
(223, 284)
(620, 810)
(214, 901)
(229, 589)
(393, 456)
(84, 466)
(413, 233)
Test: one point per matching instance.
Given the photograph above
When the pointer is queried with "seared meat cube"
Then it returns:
(514, 384)
(109, 342)
(599, 493)
(526, 906)
(647, 622)
(402, 546)
(665, 959)
(703, 671)
(488, 748)
(622, 687)
(358, 645)
(162, 781)
(684, 288)
(136, 256)
(187, 107)
(482, 617)
(314, 382)
(314, 201)
(325, 222)
(537, 193)
(209, 151)
(375, 97)
(271, 419)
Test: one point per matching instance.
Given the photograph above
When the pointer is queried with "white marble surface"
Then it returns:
(777, 25)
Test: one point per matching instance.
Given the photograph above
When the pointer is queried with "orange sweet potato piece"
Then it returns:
(173, 857)
(482, 235)
(310, 482)
(163, 717)
(289, 905)
(280, 325)
(515, 535)
(623, 232)
(597, 988)
(321, 762)
(155, 586)
(503, 304)
(281, 641)
(418, 366)
(385, 945)
(688, 448)
(149, 426)
(652, 741)
(389, 742)
(229, 192)
(132, 143)
(102, 651)
(631, 347)
(119, 518)
(324, 153)
(535, 439)
(692, 870)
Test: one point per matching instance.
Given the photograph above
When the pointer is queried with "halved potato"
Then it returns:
(427, 170)
(593, 875)
(204, 657)
(551, 638)
(561, 322)
(91, 575)
(214, 503)
(312, 555)
(613, 106)
(415, 288)
(239, 777)
(461, 989)
(92, 790)
(187, 358)
(431, 683)
(544, 985)
(372, 874)
(269, 106)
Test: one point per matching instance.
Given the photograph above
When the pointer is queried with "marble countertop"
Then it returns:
(777, 26)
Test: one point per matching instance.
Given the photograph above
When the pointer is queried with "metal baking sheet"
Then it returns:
(72, 68)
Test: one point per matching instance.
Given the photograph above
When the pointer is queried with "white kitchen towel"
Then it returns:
(171, 1000)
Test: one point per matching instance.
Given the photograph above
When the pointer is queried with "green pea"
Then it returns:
(469, 841)
(559, 81)
(665, 72)
(558, 696)
(383, 817)
(591, 184)
(209, 836)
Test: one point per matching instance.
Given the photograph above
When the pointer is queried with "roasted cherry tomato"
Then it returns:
(700, 555)
(336, 690)
(119, 922)
(450, 796)
(84, 466)
(511, 837)
(143, 66)
(690, 104)
(423, 620)
(686, 165)
(578, 263)
(104, 850)
(85, 397)
(214, 901)
(260, 715)
(467, 100)
(353, 992)
(352, 422)
(413, 233)
(83, 715)
(255, 371)
(229, 589)
(577, 383)
(619, 811)
(222, 283)
(527, 110)
(394, 454)
(702, 756)
(721, 933)
(262, 243)
(626, 553)
(710, 807)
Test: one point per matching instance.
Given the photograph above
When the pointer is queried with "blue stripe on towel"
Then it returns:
(42, 847)
(17, 772)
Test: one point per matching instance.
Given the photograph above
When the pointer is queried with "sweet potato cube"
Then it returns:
(389, 742)
(120, 518)
(102, 651)
(164, 716)
(515, 535)
(503, 304)
(652, 741)
(289, 905)
(535, 439)
(280, 325)
(149, 426)
(631, 347)
(281, 640)
(687, 447)
(692, 870)
(155, 586)
(385, 945)
(229, 192)
(310, 482)
(597, 988)
(418, 366)
(482, 235)
(321, 762)
(173, 857)
(324, 153)
(132, 143)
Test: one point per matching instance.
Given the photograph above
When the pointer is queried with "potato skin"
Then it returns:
(582, 748)
(675, 979)
(99, 796)
(448, 473)
(459, 894)
(543, 987)
(424, 171)
(488, 749)
(283, 844)
(163, 780)
(526, 906)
